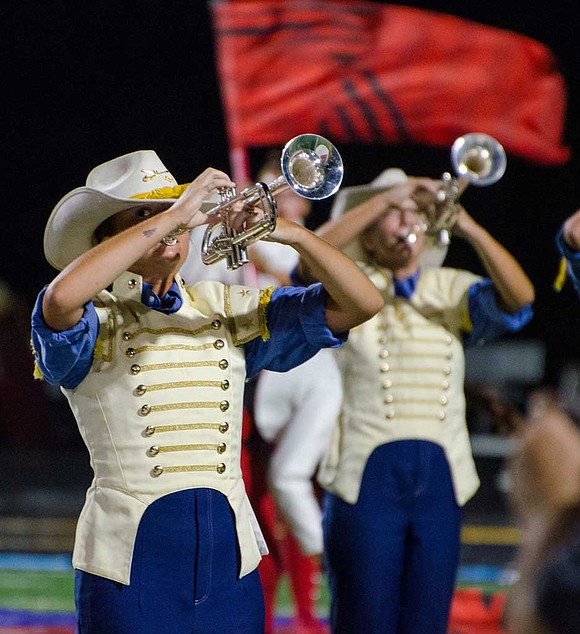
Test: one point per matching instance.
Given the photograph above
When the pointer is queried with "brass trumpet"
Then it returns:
(477, 159)
(311, 166)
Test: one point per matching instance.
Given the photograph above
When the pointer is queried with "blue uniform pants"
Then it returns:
(392, 557)
(184, 576)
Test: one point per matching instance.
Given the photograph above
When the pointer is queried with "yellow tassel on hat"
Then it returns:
(561, 277)
(162, 193)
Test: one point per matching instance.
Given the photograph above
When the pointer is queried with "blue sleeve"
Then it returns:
(64, 358)
(295, 277)
(572, 260)
(296, 319)
(489, 321)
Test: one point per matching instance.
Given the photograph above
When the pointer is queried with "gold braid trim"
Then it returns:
(561, 277)
(99, 348)
(162, 193)
(37, 372)
(265, 298)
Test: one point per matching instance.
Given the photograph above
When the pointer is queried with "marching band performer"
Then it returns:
(154, 372)
(294, 414)
(568, 243)
(400, 467)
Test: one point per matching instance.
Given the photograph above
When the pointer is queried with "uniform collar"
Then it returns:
(400, 288)
(131, 286)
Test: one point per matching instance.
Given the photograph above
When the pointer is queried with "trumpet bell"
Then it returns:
(479, 158)
(311, 166)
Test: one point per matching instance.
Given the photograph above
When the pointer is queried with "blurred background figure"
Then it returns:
(400, 466)
(293, 415)
(545, 475)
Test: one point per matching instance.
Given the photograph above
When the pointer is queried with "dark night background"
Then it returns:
(84, 82)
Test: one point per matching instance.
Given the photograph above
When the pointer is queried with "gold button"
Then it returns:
(157, 470)
(135, 369)
(441, 415)
(390, 414)
(132, 283)
(149, 430)
(127, 336)
(153, 451)
(216, 324)
(130, 352)
(218, 344)
(385, 367)
(225, 384)
(146, 409)
(224, 406)
(140, 389)
(443, 400)
(221, 467)
(388, 398)
(224, 427)
(383, 354)
(223, 364)
(221, 447)
(387, 384)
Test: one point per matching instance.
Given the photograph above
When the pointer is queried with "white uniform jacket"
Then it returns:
(160, 411)
(403, 374)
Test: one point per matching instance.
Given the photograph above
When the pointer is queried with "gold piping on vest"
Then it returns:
(159, 429)
(190, 405)
(177, 384)
(421, 370)
(185, 364)
(171, 330)
(159, 470)
(444, 354)
(177, 346)
(219, 447)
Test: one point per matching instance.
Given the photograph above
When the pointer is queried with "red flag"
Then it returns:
(367, 72)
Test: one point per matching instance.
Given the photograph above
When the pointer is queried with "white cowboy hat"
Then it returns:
(350, 197)
(111, 187)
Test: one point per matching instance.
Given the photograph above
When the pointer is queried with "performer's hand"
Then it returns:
(572, 231)
(188, 207)
(464, 223)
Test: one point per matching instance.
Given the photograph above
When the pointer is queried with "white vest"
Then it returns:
(403, 374)
(161, 411)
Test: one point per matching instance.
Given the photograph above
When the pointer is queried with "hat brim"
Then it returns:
(350, 197)
(72, 223)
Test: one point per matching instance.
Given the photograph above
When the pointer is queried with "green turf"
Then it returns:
(37, 590)
(53, 591)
